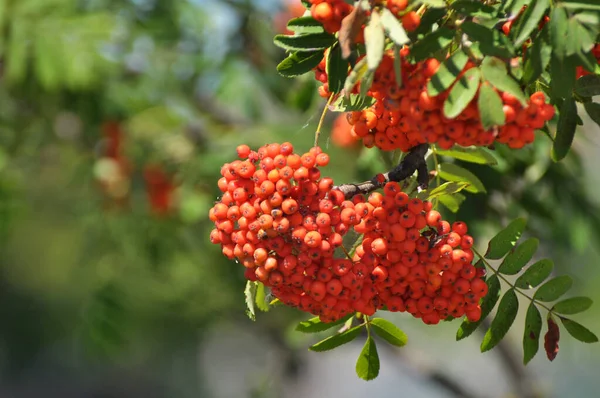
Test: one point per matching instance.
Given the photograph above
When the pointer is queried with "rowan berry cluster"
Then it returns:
(418, 263)
(330, 13)
(403, 117)
(285, 224)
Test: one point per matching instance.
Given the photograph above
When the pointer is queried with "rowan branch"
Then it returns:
(413, 161)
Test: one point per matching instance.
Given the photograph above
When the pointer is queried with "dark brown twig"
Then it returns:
(413, 161)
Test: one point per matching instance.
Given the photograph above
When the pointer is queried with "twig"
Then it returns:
(413, 161)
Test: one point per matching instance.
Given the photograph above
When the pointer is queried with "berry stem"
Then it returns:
(322, 119)
(412, 162)
(499, 275)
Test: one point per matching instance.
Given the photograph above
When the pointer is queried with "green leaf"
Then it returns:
(366, 82)
(505, 316)
(578, 331)
(367, 365)
(588, 85)
(452, 172)
(393, 28)
(261, 297)
(505, 240)
(558, 31)
(305, 25)
(471, 154)
(473, 8)
(250, 294)
(487, 305)
(491, 41)
(562, 73)
(554, 288)
(573, 305)
(531, 335)
(434, 3)
(337, 340)
(593, 111)
(299, 63)
(462, 93)
(530, 20)
(490, 108)
(353, 102)
(337, 69)
(452, 202)
(374, 40)
(565, 129)
(447, 188)
(357, 74)
(519, 257)
(494, 71)
(581, 4)
(314, 325)
(306, 43)
(389, 332)
(538, 57)
(432, 43)
(447, 73)
(535, 274)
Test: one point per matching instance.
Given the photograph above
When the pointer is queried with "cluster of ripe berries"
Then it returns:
(330, 14)
(286, 224)
(404, 117)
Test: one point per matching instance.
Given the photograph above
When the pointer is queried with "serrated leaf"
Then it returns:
(462, 93)
(554, 288)
(535, 274)
(389, 332)
(538, 57)
(593, 111)
(490, 108)
(505, 316)
(452, 202)
(531, 335)
(314, 325)
(432, 43)
(250, 294)
(393, 28)
(357, 74)
(261, 297)
(366, 82)
(367, 365)
(530, 20)
(471, 154)
(573, 305)
(305, 25)
(519, 257)
(447, 188)
(337, 69)
(455, 173)
(309, 42)
(472, 8)
(494, 71)
(374, 40)
(447, 73)
(487, 305)
(505, 240)
(337, 340)
(565, 129)
(353, 102)
(299, 63)
(588, 85)
(491, 41)
(578, 331)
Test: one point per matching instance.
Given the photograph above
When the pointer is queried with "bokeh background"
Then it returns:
(115, 117)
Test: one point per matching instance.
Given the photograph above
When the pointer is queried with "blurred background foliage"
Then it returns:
(115, 117)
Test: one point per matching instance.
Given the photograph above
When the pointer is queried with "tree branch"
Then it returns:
(413, 161)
